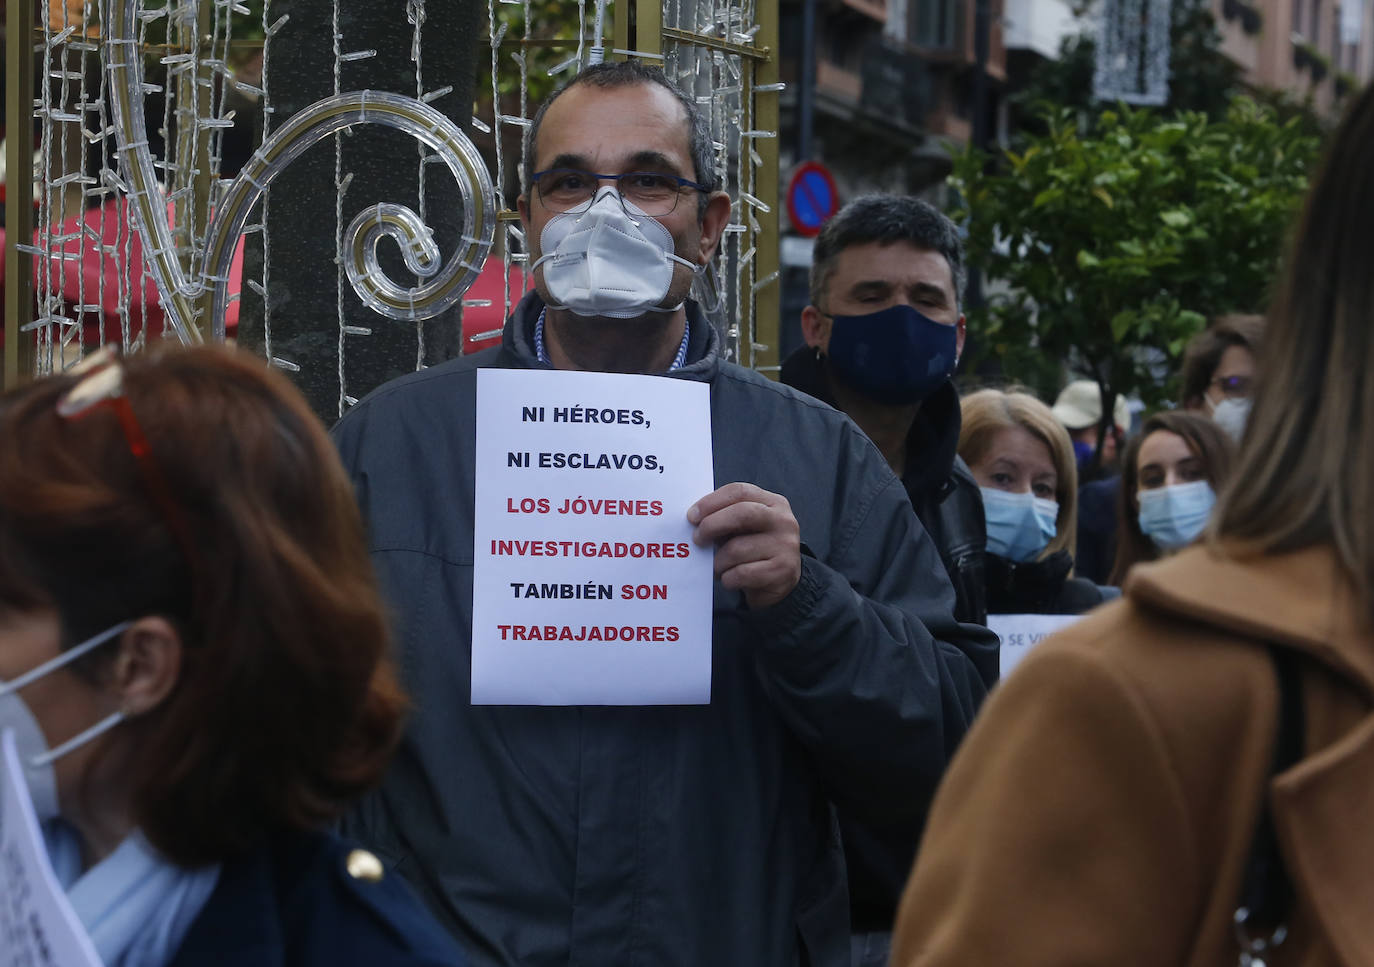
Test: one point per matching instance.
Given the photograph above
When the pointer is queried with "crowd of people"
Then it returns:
(236, 653)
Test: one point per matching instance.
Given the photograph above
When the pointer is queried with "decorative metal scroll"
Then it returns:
(444, 286)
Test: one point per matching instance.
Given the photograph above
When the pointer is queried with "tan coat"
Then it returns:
(1101, 810)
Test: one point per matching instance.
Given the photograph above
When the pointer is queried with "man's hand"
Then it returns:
(758, 542)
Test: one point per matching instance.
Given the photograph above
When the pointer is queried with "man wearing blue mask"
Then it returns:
(671, 836)
(883, 334)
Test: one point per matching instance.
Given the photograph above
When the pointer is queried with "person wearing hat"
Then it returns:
(1079, 410)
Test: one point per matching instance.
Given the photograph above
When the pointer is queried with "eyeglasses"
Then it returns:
(102, 387)
(571, 190)
(1234, 387)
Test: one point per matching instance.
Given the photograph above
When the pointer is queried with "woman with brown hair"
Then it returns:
(1024, 463)
(1173, 470)
(1218, 372)
(1184, 776)
(193, 658)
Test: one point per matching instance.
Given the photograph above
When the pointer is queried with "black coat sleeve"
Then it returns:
(868, 667)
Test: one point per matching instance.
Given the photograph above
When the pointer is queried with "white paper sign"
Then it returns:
(1020, 633)
(587, 588)
(38, 927)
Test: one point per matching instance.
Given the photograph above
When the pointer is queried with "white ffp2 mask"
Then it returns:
(610, 260)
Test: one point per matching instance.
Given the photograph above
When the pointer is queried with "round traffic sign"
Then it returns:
(811, 198)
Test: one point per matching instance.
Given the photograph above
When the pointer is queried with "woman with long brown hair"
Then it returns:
(1183, 777)
(193, 664)
(1170, 476)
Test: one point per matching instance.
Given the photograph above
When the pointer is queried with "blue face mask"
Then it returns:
(896, 355)
(1082, 453)
(1020, 526)
(1175, 516)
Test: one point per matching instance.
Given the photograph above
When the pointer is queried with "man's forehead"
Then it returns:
(898, 263)
(610, 123)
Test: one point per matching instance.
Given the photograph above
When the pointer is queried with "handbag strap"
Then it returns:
(1267, 891)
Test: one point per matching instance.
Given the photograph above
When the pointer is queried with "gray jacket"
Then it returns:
(683, 835)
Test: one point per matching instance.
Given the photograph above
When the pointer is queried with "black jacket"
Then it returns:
(948, 502)
(1097, 511)
(942, 491)
(1041, 587)
(295, 903)
(665, 836)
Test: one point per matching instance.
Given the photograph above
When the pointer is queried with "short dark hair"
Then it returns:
(1204, 352)
(286, 707)
(631, 73)
(886, 219)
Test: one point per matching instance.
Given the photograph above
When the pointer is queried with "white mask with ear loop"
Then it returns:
(35, 757)
(612, 260)
(1231, 415)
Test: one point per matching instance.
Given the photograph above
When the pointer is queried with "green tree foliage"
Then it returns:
(551, 40)
(1118, 243)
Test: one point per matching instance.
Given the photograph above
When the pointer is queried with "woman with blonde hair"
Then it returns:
(1024, 463)
(1184, 777)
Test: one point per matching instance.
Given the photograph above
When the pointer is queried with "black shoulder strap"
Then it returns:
(1267, 892)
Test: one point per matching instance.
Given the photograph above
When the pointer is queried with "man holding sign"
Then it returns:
(538, 535)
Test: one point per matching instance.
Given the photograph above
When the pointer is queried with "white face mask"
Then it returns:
(34, 755)
(1231, 415)
(610, 260)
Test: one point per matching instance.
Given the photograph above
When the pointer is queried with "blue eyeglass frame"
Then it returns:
(681, 182)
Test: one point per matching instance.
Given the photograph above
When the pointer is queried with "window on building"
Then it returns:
(935, 23)
(1297, 16)
(1315, 32)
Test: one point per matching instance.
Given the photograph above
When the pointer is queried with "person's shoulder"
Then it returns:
(766, 393)
(420, 387)
(1098, 492)
(354, 909)
(1175, 667)
(1079, 595)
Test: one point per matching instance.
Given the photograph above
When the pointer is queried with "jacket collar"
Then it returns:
(1302, 599)
(932, 442)
(517, 341)
(240, 924)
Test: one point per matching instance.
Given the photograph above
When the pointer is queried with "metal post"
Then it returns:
(19, 39)
(202, 179)
(806, 83)
(979, 134)
(648, 34)
(767, 260)
(981, 28)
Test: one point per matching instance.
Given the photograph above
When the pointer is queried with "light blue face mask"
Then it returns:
(1175, 516)
(1020, 526)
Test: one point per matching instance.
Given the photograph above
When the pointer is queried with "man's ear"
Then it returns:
(147, 666)
(960, 332)
(815, 327)
(522, 205)
(713, 222)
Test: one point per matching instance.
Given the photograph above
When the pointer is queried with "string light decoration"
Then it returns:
(137, 228)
